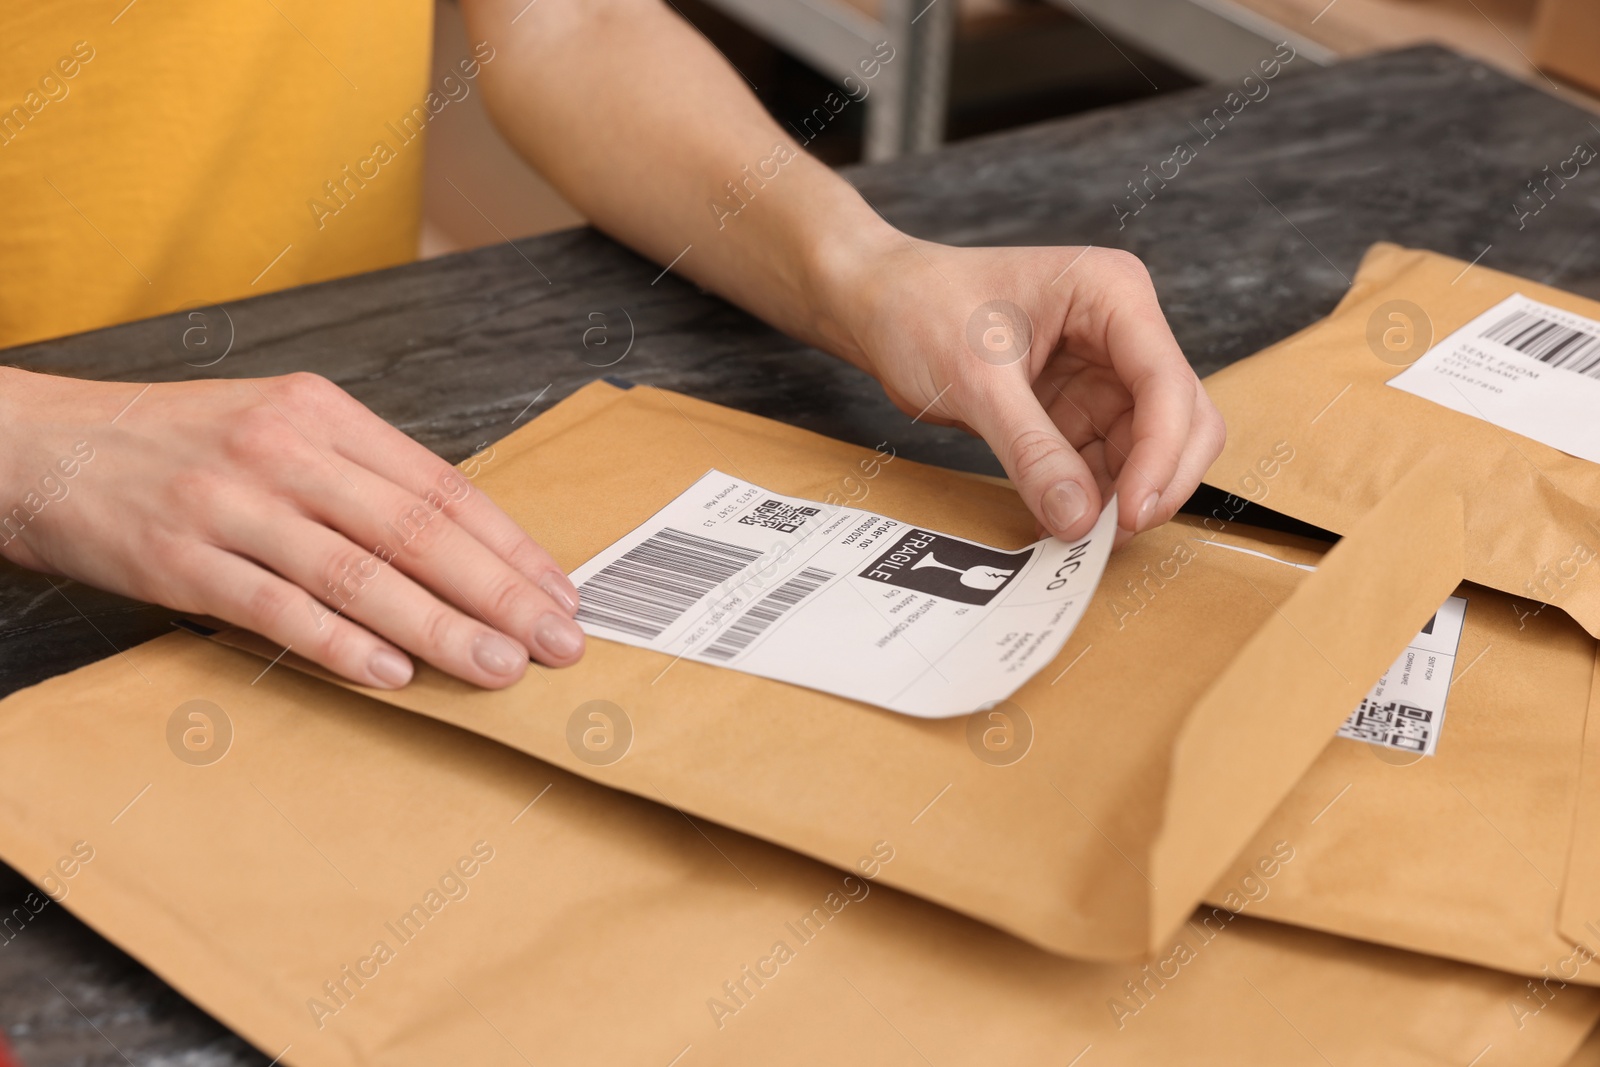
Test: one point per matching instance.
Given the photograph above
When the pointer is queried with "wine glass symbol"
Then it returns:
(982, 576)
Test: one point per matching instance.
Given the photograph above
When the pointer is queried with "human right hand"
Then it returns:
(1088, 392)
(284, 506)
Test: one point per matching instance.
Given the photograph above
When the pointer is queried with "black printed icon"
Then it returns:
(945, 567)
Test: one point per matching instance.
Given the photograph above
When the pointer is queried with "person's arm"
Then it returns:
(1059, 357)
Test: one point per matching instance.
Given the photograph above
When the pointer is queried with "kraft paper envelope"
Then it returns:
(1580, 899)
(1476, 852)
(1320, 398)
(1108, 795)
(1588, 1054)
(347, 886)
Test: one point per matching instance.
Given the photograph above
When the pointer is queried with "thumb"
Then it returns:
(1053, 479)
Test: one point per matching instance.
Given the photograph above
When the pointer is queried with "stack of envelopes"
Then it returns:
(1218, 827)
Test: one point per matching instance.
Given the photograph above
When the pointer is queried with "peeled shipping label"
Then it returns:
(1524, 366)
(841, 600)
(1405, 708)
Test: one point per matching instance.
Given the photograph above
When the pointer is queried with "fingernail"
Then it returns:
(1064, 504)
(494, 654)
(559, 589)
(1147, 511)
(390, 668)
(558, 636)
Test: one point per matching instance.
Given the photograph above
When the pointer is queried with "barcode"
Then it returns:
(749, 626)
(1392, 724)
(776, 515)
(651, 586)
(1548, 342)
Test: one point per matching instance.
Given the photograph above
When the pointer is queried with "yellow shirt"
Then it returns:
(163, 154)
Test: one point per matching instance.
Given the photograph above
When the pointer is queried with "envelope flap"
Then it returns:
(1276, 705)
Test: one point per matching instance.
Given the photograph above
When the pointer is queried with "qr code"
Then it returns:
(1392, 724)
(776, 515)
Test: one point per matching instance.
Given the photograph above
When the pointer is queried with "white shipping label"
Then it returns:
(840, 600)
(1406, 707)
(1527, 367)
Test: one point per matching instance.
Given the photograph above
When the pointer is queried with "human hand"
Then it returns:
(284, 506)
(1060, 358)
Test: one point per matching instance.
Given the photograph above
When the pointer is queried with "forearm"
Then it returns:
(14, 443)
(636, 119)
(41, 416)
(644, 128)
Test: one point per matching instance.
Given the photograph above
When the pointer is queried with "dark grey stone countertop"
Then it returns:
(1256, 237)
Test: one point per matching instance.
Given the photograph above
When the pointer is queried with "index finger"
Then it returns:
(390, 453)
(1138, 344)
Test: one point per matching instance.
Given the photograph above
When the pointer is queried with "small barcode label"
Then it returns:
(1548, 341)
(651, 586)
(1393, 724)
(766, 611)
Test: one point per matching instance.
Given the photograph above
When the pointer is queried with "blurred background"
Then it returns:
(968, 67)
